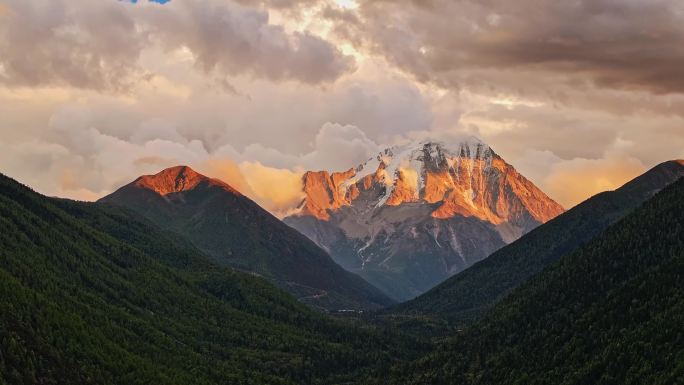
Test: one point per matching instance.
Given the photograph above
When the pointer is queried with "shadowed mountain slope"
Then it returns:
(96, 294)
(236, 232)
(610, 313)
(467, 295)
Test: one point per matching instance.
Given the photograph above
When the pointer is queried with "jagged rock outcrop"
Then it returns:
(416, 214)
(178, 179)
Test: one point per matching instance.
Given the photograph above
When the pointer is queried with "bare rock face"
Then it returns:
(178, 179)
(416, 214)
(323, 192)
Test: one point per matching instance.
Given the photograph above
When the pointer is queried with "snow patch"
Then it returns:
(411, 158)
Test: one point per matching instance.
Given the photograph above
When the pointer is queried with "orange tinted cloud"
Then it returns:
(571, 182)
(276, 190)
(227, 171)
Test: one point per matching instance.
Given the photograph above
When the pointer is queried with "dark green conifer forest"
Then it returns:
(94, 294)
(610, 313)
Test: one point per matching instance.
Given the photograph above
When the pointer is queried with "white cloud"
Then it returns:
(95, 93)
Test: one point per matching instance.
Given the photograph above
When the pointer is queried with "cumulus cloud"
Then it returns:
(75, 159)
(56, 43)
(576, 133)
(277, 190)
(93, 94)
(570, 182)
(339, 147)
(335, 147)
(615, 44)
(105, 163)
(228, 171)
(97, 45)
(277, 184)
(233, 39)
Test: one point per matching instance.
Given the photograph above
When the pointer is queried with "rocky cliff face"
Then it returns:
(178, 179)
(417, 214)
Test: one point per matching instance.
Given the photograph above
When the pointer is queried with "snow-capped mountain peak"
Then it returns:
(406, 166)
(457, 200)
(421, 171)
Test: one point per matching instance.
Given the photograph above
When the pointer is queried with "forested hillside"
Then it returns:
(94, 294)
(610, 313)
(91, 294)
(466, 296)
(234, 231)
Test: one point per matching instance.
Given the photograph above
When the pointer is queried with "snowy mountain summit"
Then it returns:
(415, 214)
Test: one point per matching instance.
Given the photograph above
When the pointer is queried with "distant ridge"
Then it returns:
(467, 295)
(236, 232)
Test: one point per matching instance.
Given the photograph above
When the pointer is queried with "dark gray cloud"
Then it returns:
(56, 43)
(236, 39)
(619, 44)
(97, 45)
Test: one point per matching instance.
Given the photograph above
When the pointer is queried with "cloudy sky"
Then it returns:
(578, 95)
